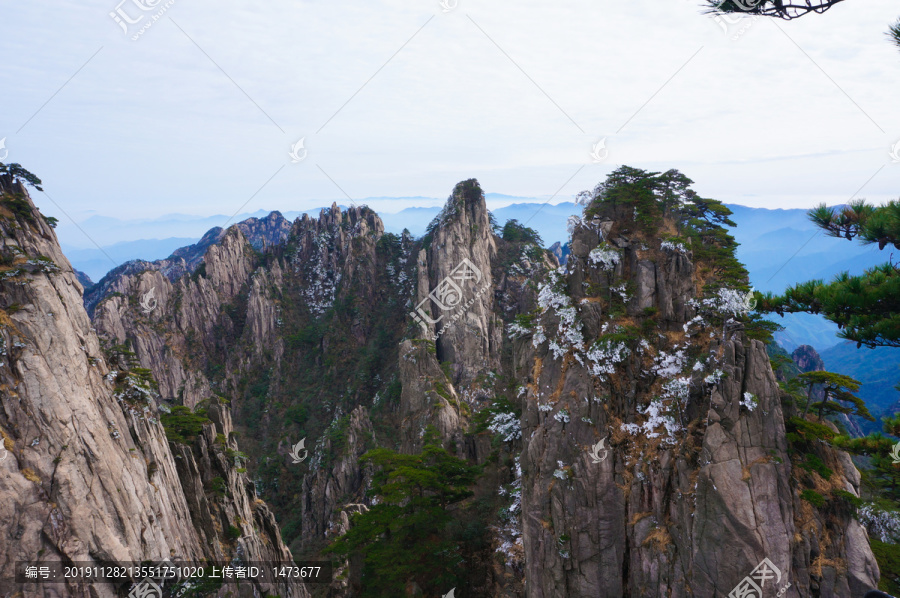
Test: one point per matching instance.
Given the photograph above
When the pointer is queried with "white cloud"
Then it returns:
(152, 126)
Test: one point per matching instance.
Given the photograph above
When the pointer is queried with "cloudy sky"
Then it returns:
(405, 98)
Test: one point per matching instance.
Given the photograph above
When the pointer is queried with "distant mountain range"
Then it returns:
(778, 247)
(878, 370)
(97, 262)
(123, 240)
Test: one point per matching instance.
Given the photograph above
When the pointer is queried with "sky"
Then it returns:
(199, 112)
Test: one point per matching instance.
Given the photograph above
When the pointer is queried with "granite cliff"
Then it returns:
(88, 473)
(629, 433)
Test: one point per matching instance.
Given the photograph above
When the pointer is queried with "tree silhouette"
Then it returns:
(867, 307)
(837, 390)
(772, 8)
(784, 9)
(14, 173)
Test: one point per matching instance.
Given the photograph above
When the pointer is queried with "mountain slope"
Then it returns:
(97, 262)
(89, 474)
(878, 369)
(261, 233)
(351, 338)
(698, 485)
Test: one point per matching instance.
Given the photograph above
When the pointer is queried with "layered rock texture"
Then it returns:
(261, 233)
(692, 487)
(629, 431)
(88, 473)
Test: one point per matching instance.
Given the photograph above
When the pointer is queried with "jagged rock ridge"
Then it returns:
(696, 488)
(261, 233)
(88, 474)
(692, 487)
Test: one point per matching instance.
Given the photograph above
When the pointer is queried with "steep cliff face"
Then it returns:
(459, 271)
(630, 430)
(807, 359)
(261, 233)
(88, 473)
(246, 320)
(656, 461)
(167, 322)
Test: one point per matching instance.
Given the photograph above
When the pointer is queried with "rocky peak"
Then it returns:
(262, 234)
(74, 427)
(356, 221)
(228, 264)
(337, 246)
(456, 270)
(560, 251)
(655, 457)
(807, 359)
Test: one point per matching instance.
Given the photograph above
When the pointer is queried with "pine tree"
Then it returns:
(404, 536)
(14, 173)
(780, 9)
(883, 476)
(837, 390)
(514, 232)
(867, 307)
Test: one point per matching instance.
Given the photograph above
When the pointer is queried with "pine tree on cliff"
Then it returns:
(647, 198)
(408, 533)
(866, 307)
(883, 475)
(10, 175)
(15, 173)
(780, 9)
(837, 390)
